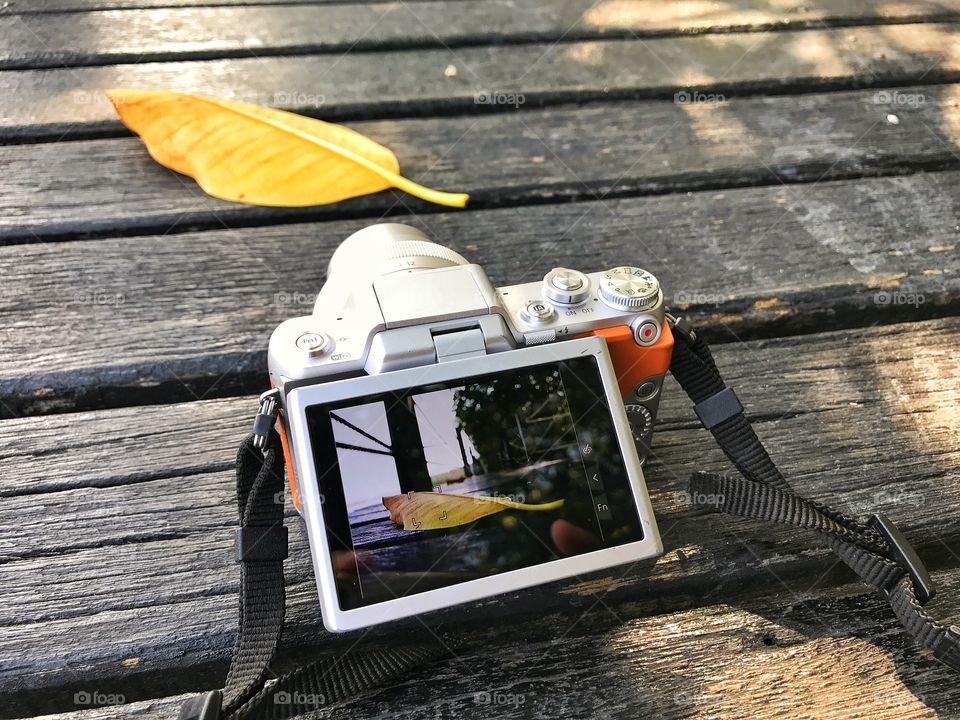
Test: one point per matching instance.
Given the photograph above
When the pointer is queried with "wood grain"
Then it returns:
(53, 7)
(111, 527)
(796, 203)
(53, 104)
(558, 154)
(121, 322)
(222, 31)
(773, 656)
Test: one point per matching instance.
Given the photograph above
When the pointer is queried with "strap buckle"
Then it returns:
(202, 707)
(903, 553)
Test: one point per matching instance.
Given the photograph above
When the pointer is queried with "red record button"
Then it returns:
(647, 333)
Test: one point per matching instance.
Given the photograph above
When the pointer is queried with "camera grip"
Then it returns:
(633, 362)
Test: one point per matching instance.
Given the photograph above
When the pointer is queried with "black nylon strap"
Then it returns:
(327, 681)
(875, 550)
(262, 596)
(261, 546)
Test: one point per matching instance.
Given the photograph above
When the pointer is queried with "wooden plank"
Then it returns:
(52, 104)
(52, 7)
(69, 190)
(108, 533)
(120, 322)
(772, 657)
(198, 33)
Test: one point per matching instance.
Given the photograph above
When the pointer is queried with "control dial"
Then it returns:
(629, 288)
(640, 419)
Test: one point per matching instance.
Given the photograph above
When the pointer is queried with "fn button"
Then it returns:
(536, 311)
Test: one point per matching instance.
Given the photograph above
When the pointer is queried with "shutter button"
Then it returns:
(566, 286)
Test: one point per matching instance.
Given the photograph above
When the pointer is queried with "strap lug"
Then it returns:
(266, 418)
(681, 326)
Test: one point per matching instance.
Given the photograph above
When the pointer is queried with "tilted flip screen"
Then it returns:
(440, 484)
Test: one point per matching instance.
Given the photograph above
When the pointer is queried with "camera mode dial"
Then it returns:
(629, 288)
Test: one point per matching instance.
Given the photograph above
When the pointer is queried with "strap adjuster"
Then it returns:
(718, 407)
(261, 542)
(947, 649)
(903, 553)
(202, 707)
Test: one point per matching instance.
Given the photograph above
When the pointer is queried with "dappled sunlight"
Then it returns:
(819, 53)
(586, 53)
(920, 392)
(717, 127)
(936, 40)
(628, 14)
(703, 14)
(893, 9)
(951, 120)
(750, 657)
(693, 77)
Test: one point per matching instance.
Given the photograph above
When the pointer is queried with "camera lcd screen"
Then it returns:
(439, 484)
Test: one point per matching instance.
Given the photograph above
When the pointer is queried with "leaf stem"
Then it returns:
(398, 181)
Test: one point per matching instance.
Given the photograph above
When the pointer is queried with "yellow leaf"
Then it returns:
(261, 156)
(434, 511)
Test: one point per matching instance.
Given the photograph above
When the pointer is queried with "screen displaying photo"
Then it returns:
(439, 484)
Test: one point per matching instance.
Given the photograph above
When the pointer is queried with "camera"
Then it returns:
(448, 440)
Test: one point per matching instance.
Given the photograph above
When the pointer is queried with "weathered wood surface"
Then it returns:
(198, 33)
(94, 324)
(796, 205)
(116, 524)
(834, 654)
(53, 7)
(112, 186)
(52, 104)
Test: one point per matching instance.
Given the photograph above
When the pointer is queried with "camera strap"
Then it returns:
(873, 548)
